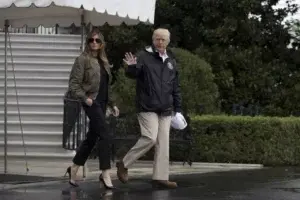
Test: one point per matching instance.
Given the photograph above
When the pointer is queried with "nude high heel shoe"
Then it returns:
(72, 171)
(105, 179)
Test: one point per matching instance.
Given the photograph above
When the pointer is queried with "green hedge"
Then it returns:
(231, 139)
(239, 139)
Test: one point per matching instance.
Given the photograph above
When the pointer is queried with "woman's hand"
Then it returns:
(89, 101)
(116, 111)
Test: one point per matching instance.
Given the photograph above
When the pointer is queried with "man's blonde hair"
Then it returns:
(162, 32)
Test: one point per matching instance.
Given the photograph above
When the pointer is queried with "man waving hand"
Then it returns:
(157, 97)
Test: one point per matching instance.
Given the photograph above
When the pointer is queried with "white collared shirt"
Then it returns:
(164, 56)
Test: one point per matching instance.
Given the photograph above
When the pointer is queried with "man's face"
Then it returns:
(95, 43)
(160, 42)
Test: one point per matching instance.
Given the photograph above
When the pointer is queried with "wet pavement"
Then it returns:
(21, 179)
(262, 184)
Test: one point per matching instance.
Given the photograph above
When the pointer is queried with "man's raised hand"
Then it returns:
(129, 59)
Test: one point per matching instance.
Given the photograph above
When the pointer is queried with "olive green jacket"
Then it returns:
(84, 79)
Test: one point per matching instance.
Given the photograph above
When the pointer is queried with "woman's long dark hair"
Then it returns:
(101, 52)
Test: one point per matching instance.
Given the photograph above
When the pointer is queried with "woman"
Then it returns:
(89, 83)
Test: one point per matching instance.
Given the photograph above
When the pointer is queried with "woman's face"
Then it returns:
(95, 42)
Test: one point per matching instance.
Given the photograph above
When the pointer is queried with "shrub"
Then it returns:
(238, 139)
(197, 83)
(271, 141)
(124, 90)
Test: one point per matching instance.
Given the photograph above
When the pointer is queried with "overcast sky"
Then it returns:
(283, 4)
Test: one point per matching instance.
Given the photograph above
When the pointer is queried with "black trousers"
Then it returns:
(97, 130)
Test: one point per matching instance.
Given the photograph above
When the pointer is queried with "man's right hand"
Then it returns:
(89, 101)
(129, 59)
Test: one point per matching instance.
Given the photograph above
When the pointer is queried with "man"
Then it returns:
(157, 96)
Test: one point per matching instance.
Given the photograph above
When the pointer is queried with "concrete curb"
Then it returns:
(227, 165)
(204, 164)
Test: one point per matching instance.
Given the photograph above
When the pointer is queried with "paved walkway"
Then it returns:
(55, 171)
(260, 184)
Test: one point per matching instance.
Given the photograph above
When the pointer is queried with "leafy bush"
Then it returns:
(197, 83)
(124, 91)
(227, 139)
(237, 139)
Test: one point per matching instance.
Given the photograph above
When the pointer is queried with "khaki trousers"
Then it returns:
(155, 130)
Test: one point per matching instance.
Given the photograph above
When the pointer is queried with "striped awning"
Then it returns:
(48, 13)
